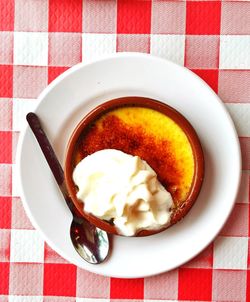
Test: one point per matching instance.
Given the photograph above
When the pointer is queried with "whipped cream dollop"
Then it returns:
(123, 188)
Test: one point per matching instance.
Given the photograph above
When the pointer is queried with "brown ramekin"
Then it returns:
(137, 102)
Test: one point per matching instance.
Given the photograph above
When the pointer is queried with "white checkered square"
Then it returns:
(20, 108)
(15, 181)
(235, 52)
(96, 45)
(230, 252)
(240, 114)
(15, 137)
(31, 48)
(26, 246)
(169, 47)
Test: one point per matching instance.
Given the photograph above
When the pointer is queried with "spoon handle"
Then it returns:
(49, 154)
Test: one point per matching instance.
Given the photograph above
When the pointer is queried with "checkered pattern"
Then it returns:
(39, 39)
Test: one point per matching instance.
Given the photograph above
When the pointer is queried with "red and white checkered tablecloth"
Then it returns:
(39, 39)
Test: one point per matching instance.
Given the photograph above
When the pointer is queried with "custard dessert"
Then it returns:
(156, 134)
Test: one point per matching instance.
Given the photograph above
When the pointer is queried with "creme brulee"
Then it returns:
(152, 136)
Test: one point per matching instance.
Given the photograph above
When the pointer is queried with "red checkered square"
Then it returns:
(6, 47)
(237, 224)
(6, 114)
(234, 86)
(26, 279)
(162, 287)
(229, 285)
(203, 18)
(59, 280)
(104, 20)
(235, 18)
(29, 81)
(15, 137)
(5, 180)
(50, 256)
(133, 17)
(203, 260)
(89, 285)
(195, 284)
(5, 212)
(210, 76)
(7, 8)
(202, 52)
(245, 152)
(126, 288)
(6, 80)
(31, 15)
(136, 43)
(168, 17)
(65, 49)
(4, 246)
(4, 278)
(19, 217)
(65, 16)
(54, 72)
(5, 147)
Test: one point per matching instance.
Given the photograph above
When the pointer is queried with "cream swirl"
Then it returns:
(123, 188)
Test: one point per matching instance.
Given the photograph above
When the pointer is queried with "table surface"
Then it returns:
(39, 39)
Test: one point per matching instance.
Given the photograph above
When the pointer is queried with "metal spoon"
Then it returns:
(91, 243)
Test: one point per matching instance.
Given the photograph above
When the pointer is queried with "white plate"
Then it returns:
(65, 101)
